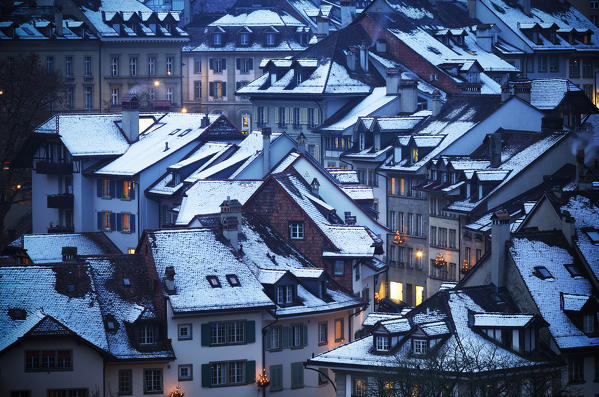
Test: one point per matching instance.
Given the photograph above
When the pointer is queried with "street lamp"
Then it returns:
(156, 83)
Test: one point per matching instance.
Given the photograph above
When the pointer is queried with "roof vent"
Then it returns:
(165, 146)
(169, 280)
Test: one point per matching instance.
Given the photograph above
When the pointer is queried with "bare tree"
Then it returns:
(27, 92)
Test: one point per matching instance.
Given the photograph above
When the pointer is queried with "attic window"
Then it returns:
(420, 346)
(593, 235)
(187, 131)
(244, 39)
(214, 282)
(382, 343)
(217, 39)
(542, 272)
(17, 314)
(126, 282)
(573, 270)
(175, 131)
(233, 280)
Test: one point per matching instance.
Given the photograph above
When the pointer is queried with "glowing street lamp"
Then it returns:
(156, 83)
(184, 110)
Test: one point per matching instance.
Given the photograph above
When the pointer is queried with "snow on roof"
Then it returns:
(88, 135)
(493, 320)
(547, 94)
(437, 328)
(397, 123)
(369, 105)
(257, 18)
(375, 317)
(358, 192)
(396, 325)
(196, 254)
(586, 218)
(344, 176)
(285, 163)
(33, 289)
(527, 254)
(573, 302)
(204, 197)
(157, 144)
(47, 248)
(206, 150)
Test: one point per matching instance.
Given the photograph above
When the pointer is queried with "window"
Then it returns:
(218, 89)
(114, 66)
(452, 238)
(125, 382)
(357, 270)
(115, 97)
(297, 375)
(323, 330)
(419, 346)
(132, 66)
(401, 222)
(48, 360)
(358, 387)
(184, 332)
(275, 338)
(229, 373)
(151, 66)
(270, 39)
(296, 117)
(146, 334)
(186, 372)
(311, 119)
(588, 323)
(296, 230)
(396, 291)
(236, 332)
(217, 65)
(285, 294)
(323, 374)
(87, 66)
(88, 98)
(339, 331)
(153, 380)
(197, 90)
(68, 66)
(67, 393)
(382, 343)
(226, 332)
(125, 222)
(169, 94)
(297, 339)
(414, 155)
(276, 377)
(339, 268)
(170, 61)
(402, 183)
(244, 39)
(244, 65)
(419, 294)
(218, 333)
(69, 97)
(233, 280)
(576, 369)
(553, 63)
(574, 67)
(587, 68)
(410, 223)
(433, 235)
(217, 39)
(197, 65)
(105, 221)
(443, 237)
(419, 225)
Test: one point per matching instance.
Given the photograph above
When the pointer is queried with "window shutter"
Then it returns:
(304, 334)
(286, 334)
(266, 114)
(99, 187)
(211, 62)
(119, 189)
(112, 189)
(119, 220)
(224, 63)
(212, 88)
(205, 375)
(317, 116)
(132, 192)
(132, 225)
(251, 64)
(100, 220)
(238, 63)
(250, 331)
(206, 328)
(317, 152)
(288, 115)
(268, 336)
(304, 116)
(224, 89)
(277, 116)
(112, 220)
(250, 371)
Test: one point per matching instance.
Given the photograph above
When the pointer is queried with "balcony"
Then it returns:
(61, 201)
(54, 168)
(467, 88)
(61, 229)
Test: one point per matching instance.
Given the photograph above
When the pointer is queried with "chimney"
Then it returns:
(69, 253)
(301, 143)
(322, 25)
(204, 121)
(472, 9)
(165, 146)
(495, 149)
(315, 186)
(392, 81)
(500, 236)
(348, 12)
(230, 219)
(525, 4)
(396, 152)
(350, 54)
(186, 12)
(381, 46)
(130, 122)
(408, 96)
(169, 280)
(579, 167)
(349, 219)
(266, 131)
(58, 21)
(363, 57)
(522, 90)
(437, 103)
(485, 37)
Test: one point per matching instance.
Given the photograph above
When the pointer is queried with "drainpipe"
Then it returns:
(100, 78)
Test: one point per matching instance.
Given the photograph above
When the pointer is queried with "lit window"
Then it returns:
(420, 346)
(296, 230)
(358, 387)
(131, 251)
(169, 65)
(414, 155)
(214, 282)
(419, 294)
(233, 280)
(396, 291)
(382, 343)
(339, 331)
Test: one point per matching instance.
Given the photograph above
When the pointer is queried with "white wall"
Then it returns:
(137, 372)
(42, 186)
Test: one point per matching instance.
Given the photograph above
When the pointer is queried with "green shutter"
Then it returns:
(206, 328)
(267, 337)
(250, 331)
(276, 377)
(297, 375)
(286, 335)
(304, 335)
(250, 371)
(205, 375)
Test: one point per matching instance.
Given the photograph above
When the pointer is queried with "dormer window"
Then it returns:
(217, 39)
(244, 39)
(382, 343)
(573, 270)
(270, 39)
(214, 281)
(459, 40)
(419, 346)
(285, 294)
(296, 230)
(146, 334)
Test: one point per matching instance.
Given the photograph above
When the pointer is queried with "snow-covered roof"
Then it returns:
(547, 94)
(374, 317)
(47, 248)
(264, 18)
(494, 320)
(574, 302)
(344, 176)
(528, 253)
(204, 197)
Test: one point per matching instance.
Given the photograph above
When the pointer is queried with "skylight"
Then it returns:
(187, 131)
(593, 234)
(233, 280)
(542, 272)
(126, 282)
(214, 282)
(174, 131)
(573, 270)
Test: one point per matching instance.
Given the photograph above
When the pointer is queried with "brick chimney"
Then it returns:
(500, 236)
(130, 121)
(408, 95)
(230, 219)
